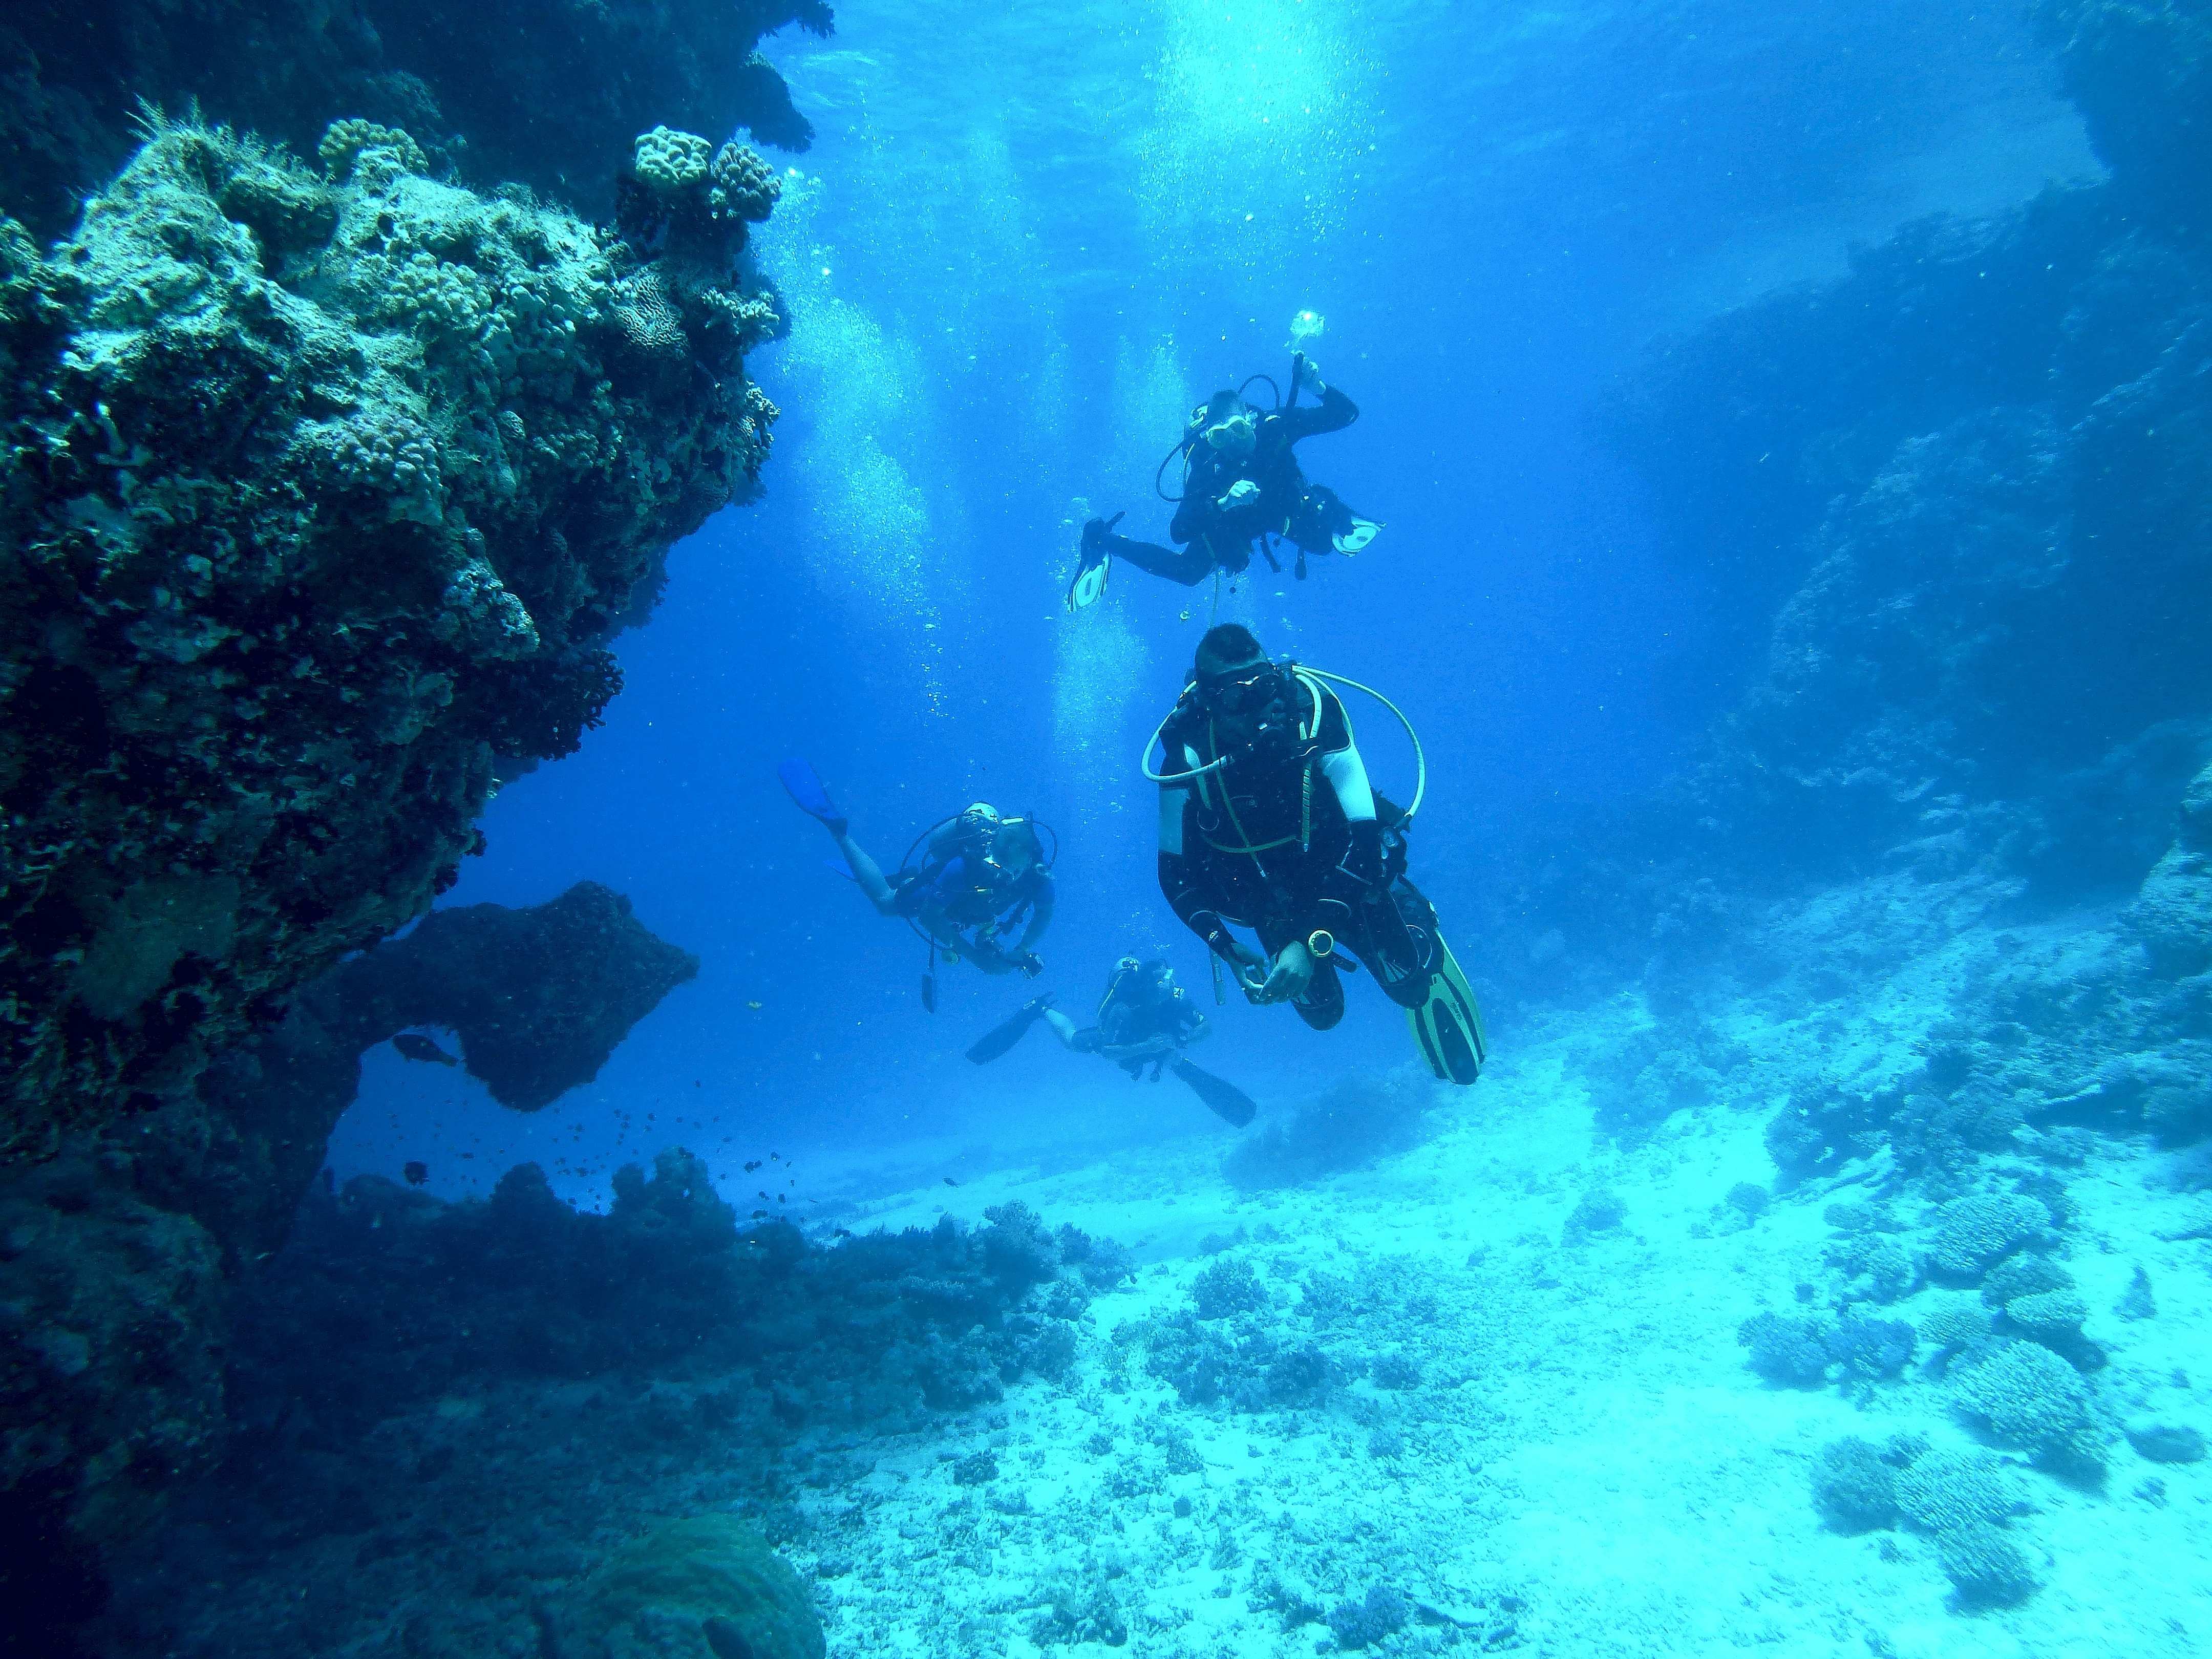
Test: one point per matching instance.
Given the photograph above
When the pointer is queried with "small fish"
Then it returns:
(416, 1170)
(950, 1181)
(415, 1047)
(779, 1198)
(752, 1164)
(842, 1232)
(760, 1215)
(755, 1006)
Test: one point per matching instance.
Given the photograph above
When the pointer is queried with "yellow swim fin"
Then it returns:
(1448, 1027)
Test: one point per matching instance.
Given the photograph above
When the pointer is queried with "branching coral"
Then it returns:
(1973, 1234)
(1940, 1491)
(2031, 1398)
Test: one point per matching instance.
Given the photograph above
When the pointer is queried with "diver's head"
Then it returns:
(1228, 426)
(1013, 848)
(1249, 697)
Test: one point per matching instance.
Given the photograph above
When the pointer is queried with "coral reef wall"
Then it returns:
(327, 481)
(544, 93)
(1954, 509)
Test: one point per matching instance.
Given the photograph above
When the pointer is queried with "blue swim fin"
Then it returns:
(801, 784)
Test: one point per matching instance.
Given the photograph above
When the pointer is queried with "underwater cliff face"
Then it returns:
(1947, 510)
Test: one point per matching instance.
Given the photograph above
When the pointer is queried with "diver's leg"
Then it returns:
(1395, 933)
(870, 874)
(1189, 565)
(1062, 1026)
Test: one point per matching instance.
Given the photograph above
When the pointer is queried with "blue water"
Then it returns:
(1026, 240)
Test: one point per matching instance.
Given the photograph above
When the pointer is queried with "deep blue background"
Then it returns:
(1021, 247)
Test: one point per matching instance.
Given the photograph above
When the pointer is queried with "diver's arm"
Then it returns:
(1041, 902)
(1347, 775)
(1332, 413)
(1179, 883)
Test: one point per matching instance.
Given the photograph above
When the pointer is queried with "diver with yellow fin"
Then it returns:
(1267, 821)
(1241, 486)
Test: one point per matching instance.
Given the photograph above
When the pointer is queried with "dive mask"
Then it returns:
(1243, 689)
(1233, 435)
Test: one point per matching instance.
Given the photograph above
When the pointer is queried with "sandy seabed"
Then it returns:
(1580, 1462)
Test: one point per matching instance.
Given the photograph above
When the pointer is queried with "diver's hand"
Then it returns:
(1309, 377)
(1292, 972)
(1236, 494)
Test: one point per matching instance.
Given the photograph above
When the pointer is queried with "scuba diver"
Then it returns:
(1144, 1019)
(965, 883)
(1267, 821)
(1241, 485)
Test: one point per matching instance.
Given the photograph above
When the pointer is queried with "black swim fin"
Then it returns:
(1226, 1099)
(1001, 1037)
(804, 786)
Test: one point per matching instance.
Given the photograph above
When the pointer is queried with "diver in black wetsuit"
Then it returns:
(1144, 1019)
(1241, 483)
(968, 881)
(1267, 821)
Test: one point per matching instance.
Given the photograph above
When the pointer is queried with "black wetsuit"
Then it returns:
(1290, 842)
(1137, 1014)
(1208, 536)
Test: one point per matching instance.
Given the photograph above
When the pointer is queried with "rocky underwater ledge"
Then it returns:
(327, 482)
(443, 1414)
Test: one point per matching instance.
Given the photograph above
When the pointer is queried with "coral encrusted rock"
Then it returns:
(327, 489)
(541, 91)
(539, 998)
(704, 1588)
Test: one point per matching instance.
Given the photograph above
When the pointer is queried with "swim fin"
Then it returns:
(1226, 1099)
(1363, 532)
(804, 786)
(1448, 1027)
(1093, 564)
(1001, 1037)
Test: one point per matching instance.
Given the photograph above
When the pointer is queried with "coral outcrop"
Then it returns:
(701, 1587)
(327, 491)
(546, 93)
(406, 1366)
(117, 1258)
